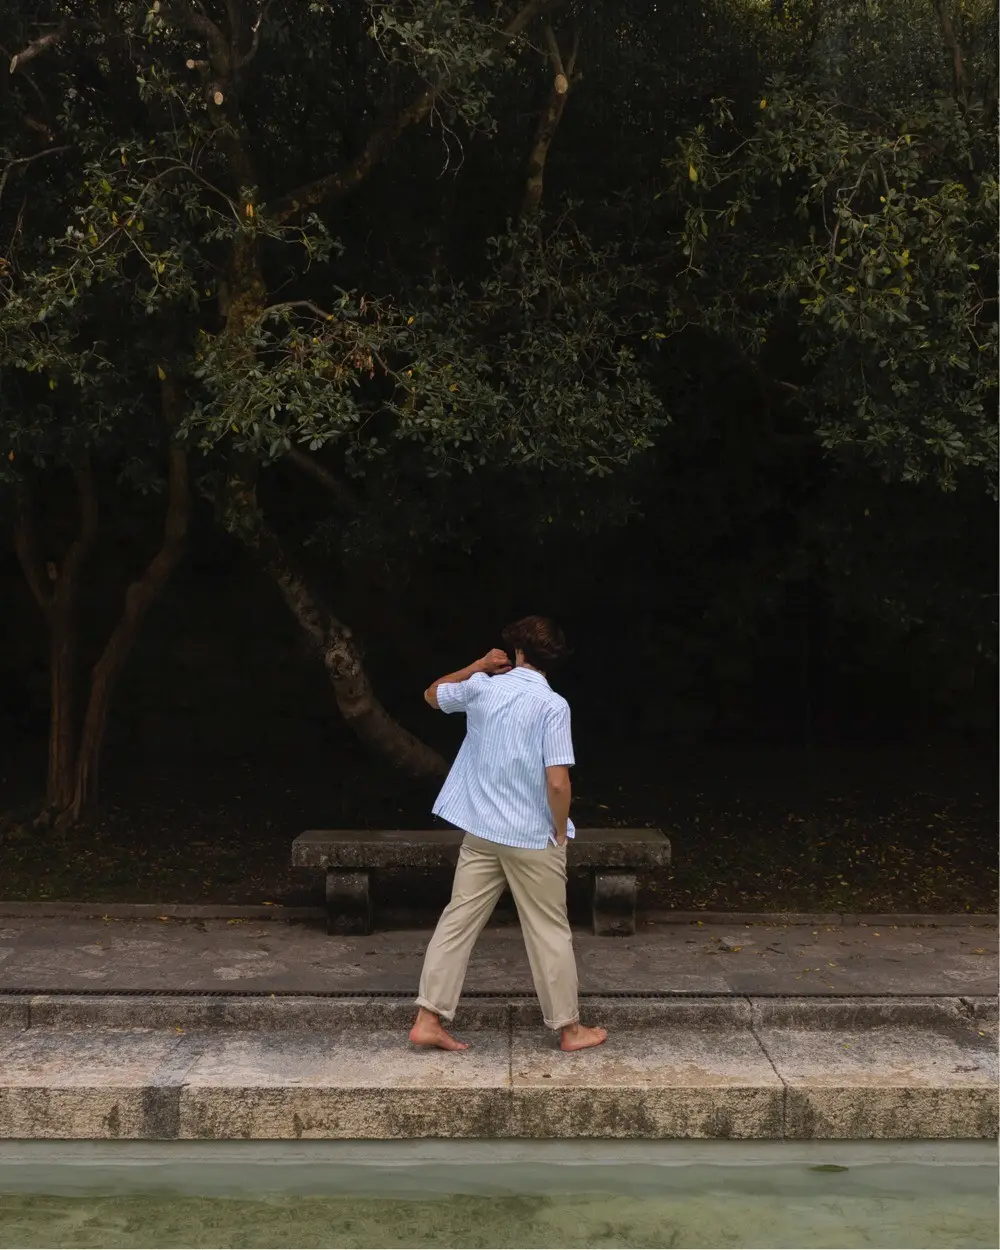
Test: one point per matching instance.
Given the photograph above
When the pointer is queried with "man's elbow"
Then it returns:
(431, 697)
(557, 778)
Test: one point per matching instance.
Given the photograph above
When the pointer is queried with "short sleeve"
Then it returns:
(558, 745)
(459, 696)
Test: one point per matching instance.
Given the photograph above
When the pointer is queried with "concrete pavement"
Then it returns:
(112, 955)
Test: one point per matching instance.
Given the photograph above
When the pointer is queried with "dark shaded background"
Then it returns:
(787, 662)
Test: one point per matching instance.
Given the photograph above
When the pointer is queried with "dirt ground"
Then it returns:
(763, 830)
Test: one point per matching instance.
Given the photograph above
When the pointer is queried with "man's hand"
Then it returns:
(493, 663)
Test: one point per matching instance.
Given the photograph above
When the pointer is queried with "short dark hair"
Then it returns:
(541, 640)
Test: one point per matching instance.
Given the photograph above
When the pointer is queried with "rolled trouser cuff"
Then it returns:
(447, 1016)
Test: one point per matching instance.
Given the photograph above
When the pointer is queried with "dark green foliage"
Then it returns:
(746, 352)
(840, 235)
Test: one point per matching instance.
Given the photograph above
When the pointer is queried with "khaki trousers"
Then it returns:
(537, 880)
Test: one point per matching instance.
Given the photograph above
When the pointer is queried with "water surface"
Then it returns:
(472, 1194)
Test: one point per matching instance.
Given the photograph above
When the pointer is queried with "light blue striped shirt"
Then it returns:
(517, 726)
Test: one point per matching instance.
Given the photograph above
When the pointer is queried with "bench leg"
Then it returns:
(348, 902)
(614, 904)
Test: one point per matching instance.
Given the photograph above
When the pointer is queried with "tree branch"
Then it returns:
(251, 52)
(342, 491)
(40, 45)
(28, 548)
(141, 595)
(26, 160)
(330, 640)
(336, 185)
(82, 545)
(548, 121)
(953, 46)
(197, 20)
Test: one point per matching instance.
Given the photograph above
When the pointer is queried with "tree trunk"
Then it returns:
(242, 306)
(139, 598)
(62, 708)
(329, 639)
(548, 122)
(57, 592)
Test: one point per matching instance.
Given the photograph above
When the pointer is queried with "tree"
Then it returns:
(192, 245)
(839, 239)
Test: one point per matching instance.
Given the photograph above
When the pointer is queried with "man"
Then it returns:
(509, 790)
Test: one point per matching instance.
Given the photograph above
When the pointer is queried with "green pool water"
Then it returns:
(476, 1195)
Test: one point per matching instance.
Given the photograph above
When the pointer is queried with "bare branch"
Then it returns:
(251, 52)
(39, 128)
(574, 53)
(336, 185)
(555, 56)
(5, 51)
(26, 160)
(40, 45)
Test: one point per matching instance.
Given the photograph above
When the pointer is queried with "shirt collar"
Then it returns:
(530, 674)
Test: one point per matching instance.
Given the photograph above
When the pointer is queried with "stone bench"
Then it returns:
(349, 857)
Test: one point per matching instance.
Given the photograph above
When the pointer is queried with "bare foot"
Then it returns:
(429, 1031)
(576, 1037)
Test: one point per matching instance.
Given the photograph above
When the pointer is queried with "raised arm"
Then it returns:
(492, 663)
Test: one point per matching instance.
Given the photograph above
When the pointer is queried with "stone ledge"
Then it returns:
(293, 1012)
(679, 1083)
(886, 1081)
(853, 1013)
(728, 1080)
(267, 1013)
(14, 1011)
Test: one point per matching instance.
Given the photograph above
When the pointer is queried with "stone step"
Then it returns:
(746, 1071)
(338, 1012)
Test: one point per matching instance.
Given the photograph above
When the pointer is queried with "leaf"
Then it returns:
(692, 173)
(160, 374)
(829, 1167)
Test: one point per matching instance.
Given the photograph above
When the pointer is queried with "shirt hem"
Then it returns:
(543, 839)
